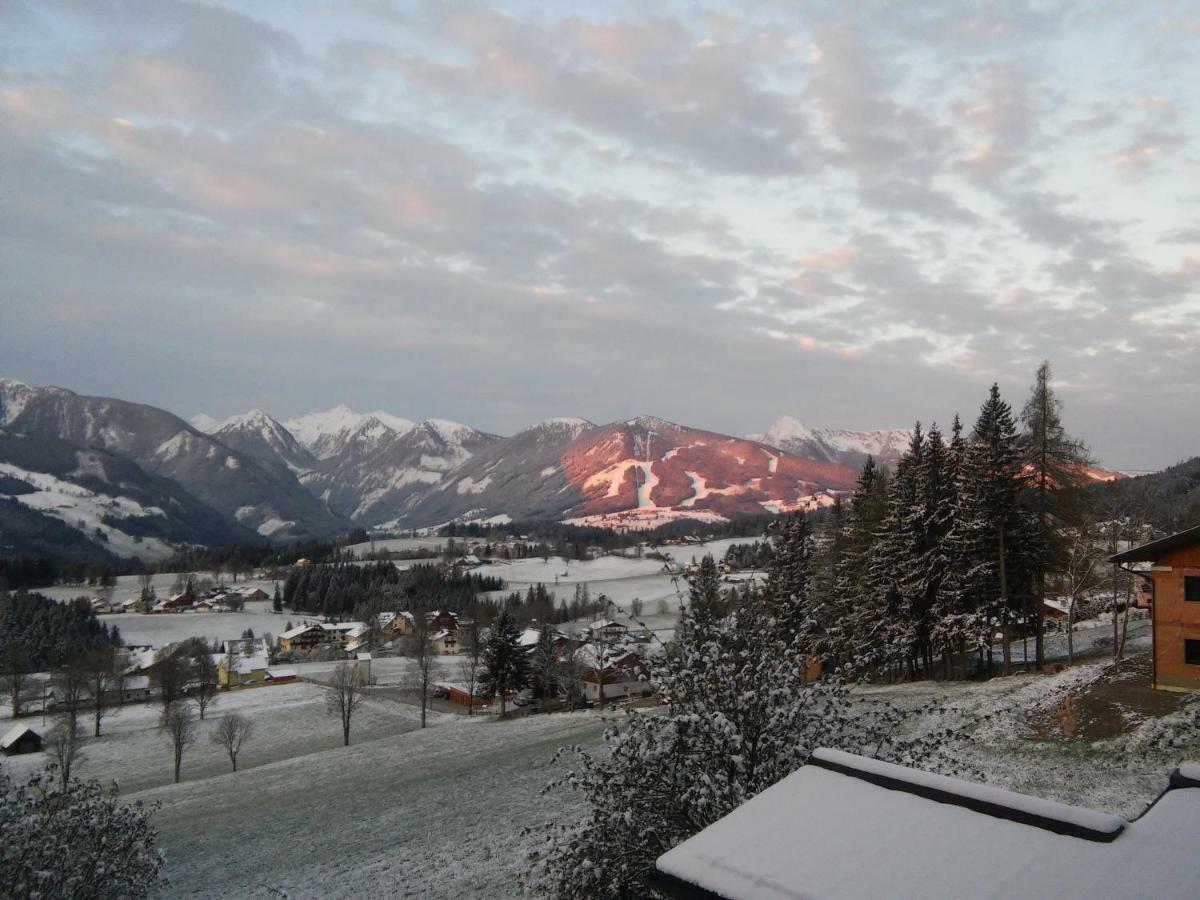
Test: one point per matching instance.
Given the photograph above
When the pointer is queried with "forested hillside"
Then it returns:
(1169, 500)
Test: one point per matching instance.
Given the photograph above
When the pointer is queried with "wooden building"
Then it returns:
(1175, 607)
(20, 739)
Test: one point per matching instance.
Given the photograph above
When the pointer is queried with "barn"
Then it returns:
(20, 739)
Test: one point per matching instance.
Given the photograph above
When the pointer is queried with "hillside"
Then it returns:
(1169, 499)
(87, 504)
(263, 497)
(637, 473)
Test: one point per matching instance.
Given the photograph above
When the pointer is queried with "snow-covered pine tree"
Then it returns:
(992, 519)
(932, 518)
(789, 580)
(845, 615)
(736, 721)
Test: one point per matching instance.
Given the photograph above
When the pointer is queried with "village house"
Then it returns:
(443, 620)
(303, 638)
(444, 642)
(459, 694)
(246, 647)
(241, 671)
(607, 631)
(20, 739)
(849, 826)
(610, 675)
(1175, 607)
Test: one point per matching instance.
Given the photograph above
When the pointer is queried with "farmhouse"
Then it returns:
(444, 642)
(242, 672)
(303, 638)
(1175, 606)
(849, 826)
(20, 739)
(612, 674)
(608, 631)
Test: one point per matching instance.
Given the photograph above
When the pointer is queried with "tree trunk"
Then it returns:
(178, 763)
(1071, 633)
(1004, 601)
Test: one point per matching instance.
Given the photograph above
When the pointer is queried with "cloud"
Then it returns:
(853, 214)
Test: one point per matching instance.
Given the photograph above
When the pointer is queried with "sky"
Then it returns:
(860, 215)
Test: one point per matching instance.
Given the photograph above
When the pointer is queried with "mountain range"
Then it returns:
(209, 481)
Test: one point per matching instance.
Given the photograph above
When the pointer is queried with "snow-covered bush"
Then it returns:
(737, 719)
(74, 841)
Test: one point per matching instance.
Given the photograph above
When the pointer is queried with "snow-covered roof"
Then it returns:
(276, 672)
(13, 735)
(250, 664)
(441, 635)
(814, 833)
(298, 630)
(137, 683)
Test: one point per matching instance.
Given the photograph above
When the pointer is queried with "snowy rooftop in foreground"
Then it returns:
(847, 826)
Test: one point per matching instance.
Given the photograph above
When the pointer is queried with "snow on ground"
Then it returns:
(431, 814)
(288, 720)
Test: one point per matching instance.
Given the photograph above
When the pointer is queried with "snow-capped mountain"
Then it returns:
(834, 444)
(636, 473)
(266, 498)
(378, 480)
(257, 434)
(520, 477)
(332, 432)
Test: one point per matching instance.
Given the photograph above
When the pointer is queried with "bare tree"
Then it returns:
(180, 726)
(100, 673)
(170, 676)
(419, 647)
(70, 684)
(205, 682)
(344, 695)
(1082, 574)
(470, 664)
(232, 731)
(65, 747)
(568, 673)
(15, 671)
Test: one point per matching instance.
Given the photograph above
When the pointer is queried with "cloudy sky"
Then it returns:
(857, 214)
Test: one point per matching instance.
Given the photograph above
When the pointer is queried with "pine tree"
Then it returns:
(991, 519)
(1053, 464)
(704, 592)
(789, 580)
(505, 665)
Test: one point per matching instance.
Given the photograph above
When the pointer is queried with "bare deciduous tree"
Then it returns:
(100, 673)
(205, 683)
(343, 695)
(470, 648)
(180, 726)
(419, 647)
(1082, 574)
(65, 747)
(232, 731)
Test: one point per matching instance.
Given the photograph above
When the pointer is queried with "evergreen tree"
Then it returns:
(704, 592)
(789, 580)
(992, 522)
(1054, 468)
(505, 665)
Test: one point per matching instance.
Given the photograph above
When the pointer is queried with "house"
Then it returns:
(136, 689)
(346, 633)
(252, 593)
(443, 620)
(20, 739)
(849, 826)
(607, 631)
(610, 674)
(241, 672)
(246, 647)
(470, 561)
(444, 642)
(1175, 606)
(100, 606)
(130, 605)
(395, 624)
(304, 638)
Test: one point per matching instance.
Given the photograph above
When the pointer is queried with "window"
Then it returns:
(1191, 588)
(1191, 652)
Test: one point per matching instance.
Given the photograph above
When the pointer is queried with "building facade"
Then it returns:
(1175, 608)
